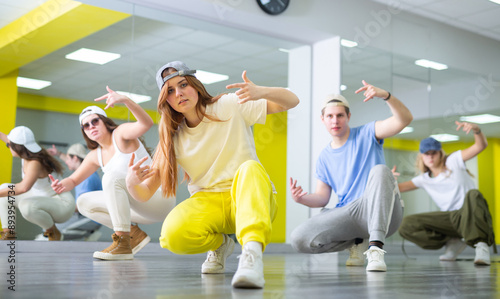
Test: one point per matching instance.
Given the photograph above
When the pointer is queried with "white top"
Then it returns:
(449, 188)
(42, 186)
(118, 164)
(211, 152)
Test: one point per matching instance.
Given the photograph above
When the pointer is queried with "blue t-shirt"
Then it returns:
(92, 183)
(346, 169)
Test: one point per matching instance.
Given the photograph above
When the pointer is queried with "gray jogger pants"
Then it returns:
(374, 216)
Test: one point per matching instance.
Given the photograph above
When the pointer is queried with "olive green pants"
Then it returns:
(432, 230)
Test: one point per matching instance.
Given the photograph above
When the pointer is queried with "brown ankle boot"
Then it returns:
(53, 234)
(138, 239)
(119, 250)
(9, 235)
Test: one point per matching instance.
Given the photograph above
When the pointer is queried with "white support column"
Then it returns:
(298, 162)
(326, 76)
(312, 74)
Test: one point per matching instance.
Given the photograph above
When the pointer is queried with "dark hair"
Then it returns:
(110, 126)
(49, 163)
(347, 110)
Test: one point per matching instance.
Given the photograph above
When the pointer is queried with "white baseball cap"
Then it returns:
(91, 110)
(24, 136)
(335, 100)
(78, 150)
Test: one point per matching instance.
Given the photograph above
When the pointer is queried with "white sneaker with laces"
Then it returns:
(375, 257)
(356, 257)
(250, 273)
(482, 254)
(216, 260)
(453, 248)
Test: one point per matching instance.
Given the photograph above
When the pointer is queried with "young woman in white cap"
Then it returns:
(33, 196)
(111, 148)
(464, 211)
(211, 139)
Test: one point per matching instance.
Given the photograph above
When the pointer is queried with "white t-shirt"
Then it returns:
(449, 188)
(211, 152)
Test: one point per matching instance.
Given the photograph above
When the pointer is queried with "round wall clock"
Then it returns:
(273, 7)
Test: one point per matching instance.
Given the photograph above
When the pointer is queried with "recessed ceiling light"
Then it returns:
(431, 64)
(495, 1)
(32, 83)
(209, 78)
(348, 43)
(481, 118)
(92, 56)
(343, 87)
(445, 137)
(138, 98)
(406, 130)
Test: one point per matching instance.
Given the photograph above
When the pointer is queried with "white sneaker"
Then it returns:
(375, 257)
(356, 257)
(250, 273)
(482, 254)
(453, 248)
(216, 260)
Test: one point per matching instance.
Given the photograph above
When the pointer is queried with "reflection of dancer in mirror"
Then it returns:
(211, 139)
(33, 196)
(111, 147)
(78, 226)
(353, 166)
(464, 211)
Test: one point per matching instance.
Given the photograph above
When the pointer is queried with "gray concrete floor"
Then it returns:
(67, 270)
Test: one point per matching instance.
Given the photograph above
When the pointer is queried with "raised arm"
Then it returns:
(130, 130)
(55, 152)
(278, 99)
(32, 170)
(480, 142)
(3, 137)
(86, 169)
(318, 199)
(401, 116)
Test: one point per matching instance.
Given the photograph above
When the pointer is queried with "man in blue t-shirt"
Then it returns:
(352, 165)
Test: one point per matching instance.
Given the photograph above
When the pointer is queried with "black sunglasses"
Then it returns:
(93, 123)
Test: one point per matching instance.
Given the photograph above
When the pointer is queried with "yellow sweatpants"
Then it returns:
(197, 224)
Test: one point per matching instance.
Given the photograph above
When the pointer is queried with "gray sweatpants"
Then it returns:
(375, 215)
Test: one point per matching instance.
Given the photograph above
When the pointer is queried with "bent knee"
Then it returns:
(299, 242)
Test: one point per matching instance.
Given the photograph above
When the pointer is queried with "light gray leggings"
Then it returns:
(375, 215)
(115, 208)
(41, 209)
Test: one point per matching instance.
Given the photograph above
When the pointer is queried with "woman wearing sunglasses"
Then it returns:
(111, 148)
(33, 196)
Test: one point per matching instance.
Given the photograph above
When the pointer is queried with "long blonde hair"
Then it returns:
(442, 163)
(423, 168)
(164, 159)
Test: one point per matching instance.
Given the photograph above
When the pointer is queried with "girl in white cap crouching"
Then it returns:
(33, 196)
(111, 148)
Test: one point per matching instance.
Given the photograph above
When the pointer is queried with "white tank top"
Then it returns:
(118, 164)
(41, 186)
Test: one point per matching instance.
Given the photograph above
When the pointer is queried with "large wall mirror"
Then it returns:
(144, 44)
(436, 98)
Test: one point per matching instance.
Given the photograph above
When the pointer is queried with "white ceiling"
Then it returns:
(146, 44)
(479, 16)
